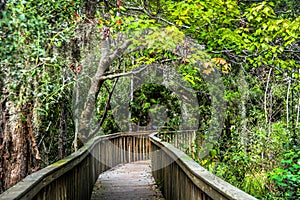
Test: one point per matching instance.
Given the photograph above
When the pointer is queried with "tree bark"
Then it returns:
(18, 151)
(19, 154)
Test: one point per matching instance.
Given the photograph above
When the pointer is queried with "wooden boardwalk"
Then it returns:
(127, 181)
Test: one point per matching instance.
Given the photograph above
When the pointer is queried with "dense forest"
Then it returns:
(65, 64)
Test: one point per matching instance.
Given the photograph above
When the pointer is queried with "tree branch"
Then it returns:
(112, 76)
(147, 12)
(105, 111)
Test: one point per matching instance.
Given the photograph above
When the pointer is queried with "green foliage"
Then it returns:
(34, 35)
(257, 38)
(30, 28)
(287, 177)
(147, 97)
(253, 44)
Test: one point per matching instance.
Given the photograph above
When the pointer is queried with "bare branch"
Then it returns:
(3, 100)
(105, 110)
(118, 52)
(146, 11)
(112, 76)
(170, 23)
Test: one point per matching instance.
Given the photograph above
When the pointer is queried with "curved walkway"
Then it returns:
(127, 181)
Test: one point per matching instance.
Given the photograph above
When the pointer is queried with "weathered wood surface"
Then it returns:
(127, 181)
(180, 177)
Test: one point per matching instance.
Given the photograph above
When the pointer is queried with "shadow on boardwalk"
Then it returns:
(127, 181)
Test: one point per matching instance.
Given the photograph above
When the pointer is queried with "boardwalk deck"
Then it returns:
(127, 181)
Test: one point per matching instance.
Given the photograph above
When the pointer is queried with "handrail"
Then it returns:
(180, 177)
(74, 176)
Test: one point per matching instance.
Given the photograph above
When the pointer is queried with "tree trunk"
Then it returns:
(63, 126)
(243, 89)
(2, 4)
(19, 153)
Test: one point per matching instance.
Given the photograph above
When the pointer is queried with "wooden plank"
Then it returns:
(129, 181)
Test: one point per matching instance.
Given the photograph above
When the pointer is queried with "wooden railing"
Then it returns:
(182, 140)
(180, 177)
(73, 177)
(177, 174)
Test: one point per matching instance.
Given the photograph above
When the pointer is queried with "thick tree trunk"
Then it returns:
(2, 127)
(19, 153)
